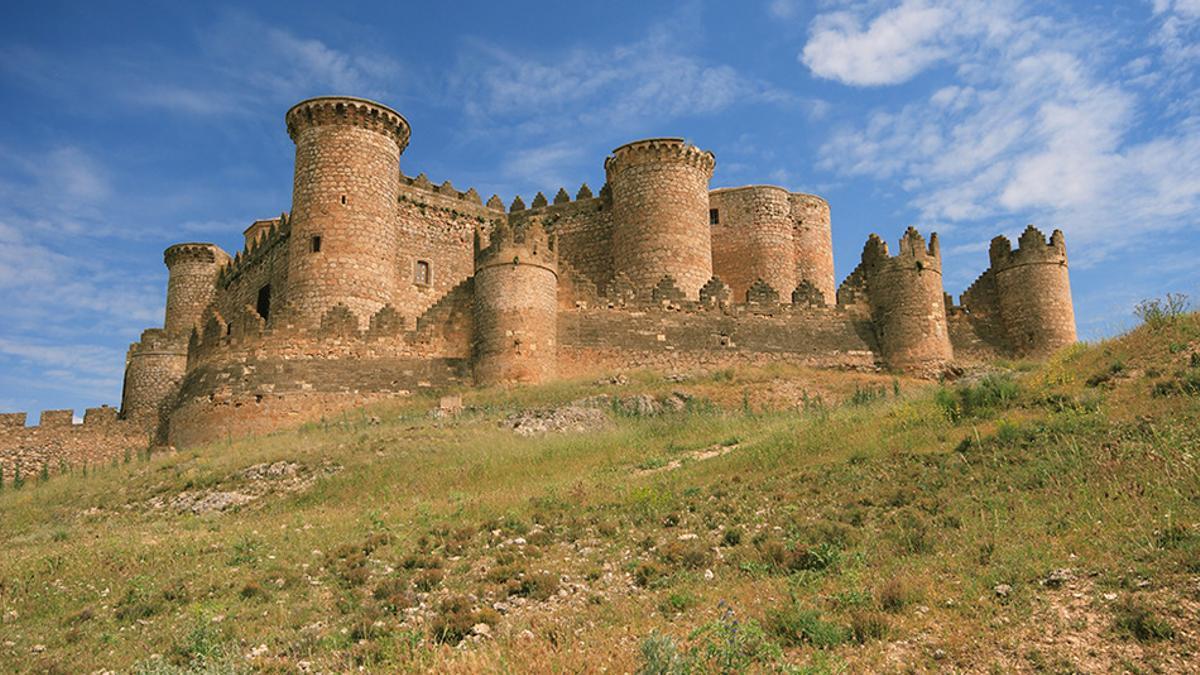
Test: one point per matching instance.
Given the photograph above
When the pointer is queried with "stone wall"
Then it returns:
(1034, 291)
(154, 368)
(660, 213)
(58, 444)
(191, 284)
(609, 339)
(752, 238)
(813, 243)
(344, 231)
(262, 265)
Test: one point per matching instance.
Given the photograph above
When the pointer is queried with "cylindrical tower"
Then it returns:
(191, 284)
(908, 303)
(154, 368)
(813, 244)
(343, 243)
(516, 306)
(752, 238)
(660, 213)
(1034, 290)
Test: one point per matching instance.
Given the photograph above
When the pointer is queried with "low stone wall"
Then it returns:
(602, 340)
(57, 443)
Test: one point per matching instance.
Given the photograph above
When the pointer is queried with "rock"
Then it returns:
(258, 651)
(642, 405)
(374, 421)
(576, 417)
(1057, 578)
(687, 536)
(38, 649)
(939, 654)
(708, 575)
(1002, 590)
(1109, 597)
(526, 635)
(482, 630)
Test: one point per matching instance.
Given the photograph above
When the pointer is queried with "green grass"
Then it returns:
(868, 531)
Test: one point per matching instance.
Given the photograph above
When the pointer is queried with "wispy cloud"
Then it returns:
(1034, 126)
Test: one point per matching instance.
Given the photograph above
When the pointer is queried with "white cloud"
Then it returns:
(892, 48)
(1033, 125)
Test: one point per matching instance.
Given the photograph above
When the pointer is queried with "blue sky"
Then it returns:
(129, 128)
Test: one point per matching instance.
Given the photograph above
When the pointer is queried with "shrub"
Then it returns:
(796, 626)
(731, 537)
(687, 554)
(992, 393)
(895, 594)
(428, 580)
(649, 573)
(678, 602)
(253, 591)
(394, 594)
(1158, 313)
(661, 656)
(1134, 620)
(538, 586)
(732, 646)
(455, 618)
(867, 626)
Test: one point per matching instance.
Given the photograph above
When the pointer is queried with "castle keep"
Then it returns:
(378, 284)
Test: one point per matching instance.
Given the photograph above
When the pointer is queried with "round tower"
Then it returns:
(343, 243)
(516, 306)
(813, 244)
(154, 367)
(1034, 290)
(752, 238)
(908, 303)
(191, 284)
(660, 213)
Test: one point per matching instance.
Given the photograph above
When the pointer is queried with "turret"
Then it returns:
(752, 238)
(516, 305)
(343, 243)
(659, 192)
(154, 367)
(907, 302)
(191, 284)
(813, 244)
(1034, 292)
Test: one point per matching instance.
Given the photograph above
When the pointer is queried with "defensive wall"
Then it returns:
(377, 284)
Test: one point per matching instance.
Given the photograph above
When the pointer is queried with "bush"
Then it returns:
(1158, 313)
(538, 586)
(796, 626)
(455, 618)
(678, 602)
(988, 395)
(895, 594)
(1134, 620)
(661, 656)
(732, 646)
(867, 626)
(687, 554)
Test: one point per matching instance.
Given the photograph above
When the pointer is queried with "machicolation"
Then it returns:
(377, 284)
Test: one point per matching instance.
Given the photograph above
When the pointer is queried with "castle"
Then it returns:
(376, 284)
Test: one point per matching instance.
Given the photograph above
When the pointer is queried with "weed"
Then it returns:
(796, 626)
(896, 594)
(678, 602)
(661, 656)
(731, 537)
(428, 580)
(729, 645)
(455, 618)
(537, 586)
(1137, 621)
(866, 626)
(1158, 313)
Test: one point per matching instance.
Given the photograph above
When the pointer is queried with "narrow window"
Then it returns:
(316, 244)
(264, 302)
(714, 217)
(343, 199)
(421, 274)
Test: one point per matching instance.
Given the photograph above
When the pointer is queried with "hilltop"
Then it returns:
(1030, 517)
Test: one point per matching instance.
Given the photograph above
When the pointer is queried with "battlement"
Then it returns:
(157, 341)
(268, 234)
(259, 229)
(562, 204)
(348, 110)
(1032, 248)
(194, 252)
(912, 252)
(525, 243)
(659, 151)
(445, 193)
(61, 419)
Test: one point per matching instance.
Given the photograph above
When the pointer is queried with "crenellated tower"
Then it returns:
(1033, 289)
(752, 238)
(660, 213)
(907, 302)
(191, 284)
(516, 305)
(154, 367)
(343, 244)
(812, 238)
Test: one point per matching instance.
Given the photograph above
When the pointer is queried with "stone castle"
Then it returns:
(376, 284)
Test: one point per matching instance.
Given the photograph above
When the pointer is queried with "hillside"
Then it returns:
(1032, 518)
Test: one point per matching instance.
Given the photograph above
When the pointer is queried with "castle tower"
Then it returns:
(1034, 291)
(343, 243)
(154, 367)
(813, 244)
(660, 213)
(516, 306)
(191, 284)
(907, 302)
(752, 238)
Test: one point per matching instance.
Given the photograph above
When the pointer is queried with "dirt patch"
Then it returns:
(243, 487)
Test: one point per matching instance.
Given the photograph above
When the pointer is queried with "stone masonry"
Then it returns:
(378, 284)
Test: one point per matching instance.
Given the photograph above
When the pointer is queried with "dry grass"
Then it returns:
(841, 530)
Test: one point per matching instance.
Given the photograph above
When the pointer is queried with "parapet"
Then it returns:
(348, 110)
(1032, 248)
(913, 251)
(659, 151)
(194, 252)
(526, 243)
(157, 341)
(259, 229)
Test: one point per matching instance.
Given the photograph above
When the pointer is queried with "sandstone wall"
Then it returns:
(58, 444)
(263, 263)
(345, 193)
(154, 368)
(753, 239)
(660, 213)
(1034, 291)
(813, 243)
(191, 284)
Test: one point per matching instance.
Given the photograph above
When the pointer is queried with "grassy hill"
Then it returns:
(1034, 518)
